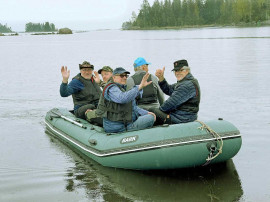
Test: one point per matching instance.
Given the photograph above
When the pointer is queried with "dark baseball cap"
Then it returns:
(120, 70)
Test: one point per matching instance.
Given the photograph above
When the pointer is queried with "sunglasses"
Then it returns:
(123, 75)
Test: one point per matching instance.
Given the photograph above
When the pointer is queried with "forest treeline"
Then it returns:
(5, 28)
(40, 27)
(179, 13)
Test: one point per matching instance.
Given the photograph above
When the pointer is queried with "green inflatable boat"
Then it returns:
(161, 147)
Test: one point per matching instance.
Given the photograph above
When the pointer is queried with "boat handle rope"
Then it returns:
(218, 139)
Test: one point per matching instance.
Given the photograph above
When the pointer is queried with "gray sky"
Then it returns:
(75, 14)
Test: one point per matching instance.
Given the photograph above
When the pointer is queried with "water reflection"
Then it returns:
(218, 182)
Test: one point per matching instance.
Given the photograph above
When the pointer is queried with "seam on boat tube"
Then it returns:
(99, 154)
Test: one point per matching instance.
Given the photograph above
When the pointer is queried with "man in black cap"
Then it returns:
(83, 88)
(183, 104)
(118, 107)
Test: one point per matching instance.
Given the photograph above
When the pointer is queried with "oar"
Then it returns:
(69, 120)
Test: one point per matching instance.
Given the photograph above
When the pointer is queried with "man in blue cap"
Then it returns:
(152, 94)
(118, 107)
(183, 104)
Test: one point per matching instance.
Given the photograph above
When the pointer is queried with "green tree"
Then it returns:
(39, 27)
(5, 28)
(176, 9)
(144, 15)
(47, 27)
(156, 14)
(200, 12)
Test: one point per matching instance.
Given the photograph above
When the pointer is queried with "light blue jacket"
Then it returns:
(114, 94)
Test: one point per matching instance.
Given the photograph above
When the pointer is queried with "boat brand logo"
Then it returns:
(129, 139)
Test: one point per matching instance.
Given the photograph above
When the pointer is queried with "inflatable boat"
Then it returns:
(161, 147)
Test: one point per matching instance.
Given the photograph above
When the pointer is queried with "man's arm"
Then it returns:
(166, 88)
(160, 93)
(73, 87)
(114, 94)
(178, 97)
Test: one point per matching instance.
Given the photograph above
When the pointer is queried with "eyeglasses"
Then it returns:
(122, 75)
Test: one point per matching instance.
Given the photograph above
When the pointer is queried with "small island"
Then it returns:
(5, 29)
(46, 28)
(177, 14)
(65, 31)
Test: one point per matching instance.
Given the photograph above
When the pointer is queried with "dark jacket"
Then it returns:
(184, 100)
(89, 94)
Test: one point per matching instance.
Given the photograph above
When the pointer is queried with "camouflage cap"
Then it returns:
(106, 69)
(86, 64)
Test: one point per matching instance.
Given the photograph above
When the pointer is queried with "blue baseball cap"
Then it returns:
(120, 70)
(139, 62)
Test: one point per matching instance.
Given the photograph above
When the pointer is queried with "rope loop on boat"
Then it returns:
(218, 139)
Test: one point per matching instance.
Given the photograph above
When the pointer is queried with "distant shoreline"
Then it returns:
(246, 25)
(240, 25)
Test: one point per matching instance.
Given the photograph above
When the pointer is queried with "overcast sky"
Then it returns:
(75, 14)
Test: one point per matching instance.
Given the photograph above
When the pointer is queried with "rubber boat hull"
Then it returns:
(161, 147)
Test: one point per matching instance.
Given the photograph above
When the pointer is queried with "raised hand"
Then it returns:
(96, 77)
(65, 74)
(160, 74)
(144, 81)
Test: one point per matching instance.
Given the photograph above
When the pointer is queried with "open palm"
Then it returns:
(65, 73)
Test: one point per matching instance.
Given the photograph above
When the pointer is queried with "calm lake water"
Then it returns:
(232, 66)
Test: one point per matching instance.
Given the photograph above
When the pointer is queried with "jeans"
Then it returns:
(142, 122)
(146, 121)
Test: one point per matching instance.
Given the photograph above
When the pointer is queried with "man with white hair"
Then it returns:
(183, 104)
(152, 94)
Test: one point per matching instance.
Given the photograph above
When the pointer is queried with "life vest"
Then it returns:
(112, 110)
(149, 92)
(89, 94)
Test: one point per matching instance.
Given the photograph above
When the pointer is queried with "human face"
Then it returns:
(122, 78)
(106, 76)
(180, 74)
(145, 68)
(86, 73)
